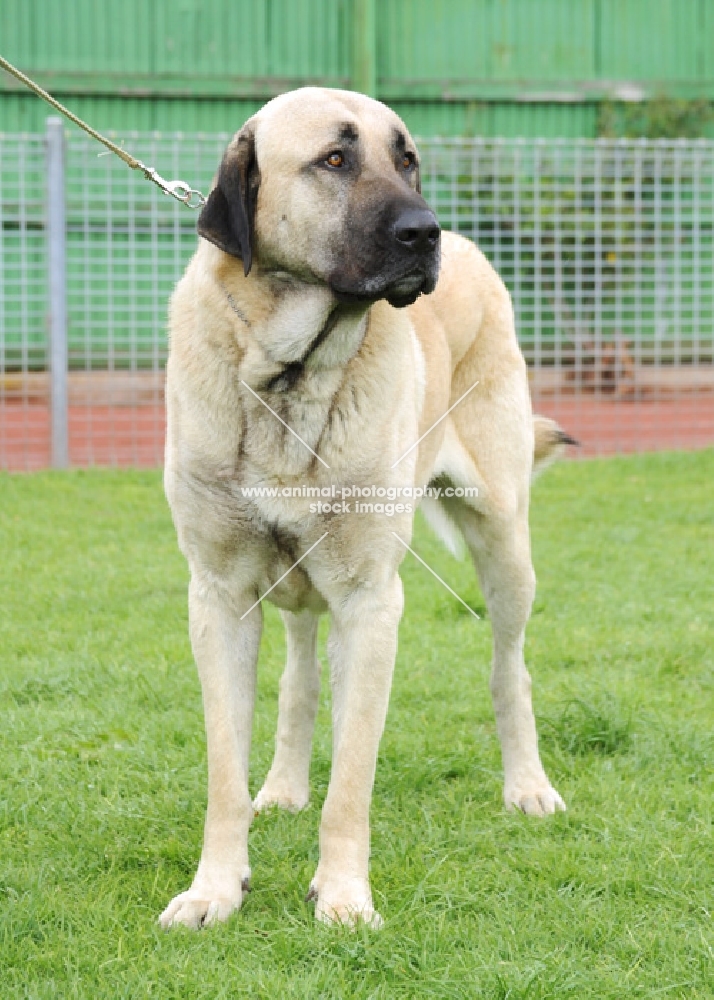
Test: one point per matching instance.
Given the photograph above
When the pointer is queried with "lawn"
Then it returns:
(103, 763)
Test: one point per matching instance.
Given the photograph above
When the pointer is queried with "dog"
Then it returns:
(328, 337)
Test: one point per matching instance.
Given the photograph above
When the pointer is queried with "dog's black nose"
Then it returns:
(417, 230)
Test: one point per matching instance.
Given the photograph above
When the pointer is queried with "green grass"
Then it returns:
(103, 763)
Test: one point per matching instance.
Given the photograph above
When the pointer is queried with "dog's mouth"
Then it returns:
(407, 290)
(399, 292)
(412, 283)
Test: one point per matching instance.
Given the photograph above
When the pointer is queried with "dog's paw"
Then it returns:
(347, 902)
(199, 907)
(280, 795)
(534, 798)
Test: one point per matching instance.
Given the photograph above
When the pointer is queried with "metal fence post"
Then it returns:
(56, 256)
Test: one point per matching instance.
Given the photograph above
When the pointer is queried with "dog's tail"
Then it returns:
(443, 526)
(550, 443)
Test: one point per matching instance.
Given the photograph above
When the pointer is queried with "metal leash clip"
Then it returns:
(179, 190)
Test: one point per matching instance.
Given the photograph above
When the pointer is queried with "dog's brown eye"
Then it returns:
(335, 159)
(407, 161)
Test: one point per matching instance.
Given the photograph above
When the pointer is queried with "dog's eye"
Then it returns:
(335, 160)
(408, 161)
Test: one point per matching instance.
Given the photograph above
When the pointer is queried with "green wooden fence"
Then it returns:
(483, 68)
(450, 67)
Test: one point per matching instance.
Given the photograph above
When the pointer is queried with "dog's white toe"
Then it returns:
(280, 796)
(536, 799)
(347, 902)
(198, 908)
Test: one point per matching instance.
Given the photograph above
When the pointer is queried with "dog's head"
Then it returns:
(324, 185)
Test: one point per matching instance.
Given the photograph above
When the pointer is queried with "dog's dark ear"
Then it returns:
(228, 217)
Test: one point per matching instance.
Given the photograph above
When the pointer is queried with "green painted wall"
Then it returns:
(452, 67)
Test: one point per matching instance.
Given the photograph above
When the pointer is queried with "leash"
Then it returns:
(177, 189)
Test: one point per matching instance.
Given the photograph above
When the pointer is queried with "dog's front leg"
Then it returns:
(362, 649)
(226, 653)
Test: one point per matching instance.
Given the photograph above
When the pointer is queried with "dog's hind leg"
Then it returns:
(500, 548)
(287, 783)
(490, 445)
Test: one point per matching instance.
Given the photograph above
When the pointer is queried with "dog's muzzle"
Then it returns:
(395, 255)
(415, 238)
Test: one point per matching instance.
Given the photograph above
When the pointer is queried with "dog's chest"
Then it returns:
(284, 433)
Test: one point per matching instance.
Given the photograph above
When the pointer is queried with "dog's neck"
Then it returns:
(305, 330)
(291, 374)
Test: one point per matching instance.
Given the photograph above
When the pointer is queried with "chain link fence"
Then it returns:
(606, 246)
(24, 427)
